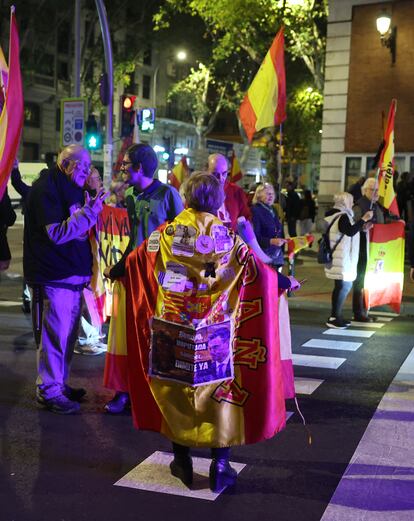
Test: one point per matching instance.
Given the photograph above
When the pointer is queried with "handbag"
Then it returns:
(325, 252)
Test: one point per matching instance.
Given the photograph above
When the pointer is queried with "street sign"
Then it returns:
(72, 121)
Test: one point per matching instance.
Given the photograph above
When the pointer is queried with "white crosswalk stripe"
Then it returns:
(349, 332)
(376, 325)
(383, 314)
(306, 385)
(332, 344)
(325, 362)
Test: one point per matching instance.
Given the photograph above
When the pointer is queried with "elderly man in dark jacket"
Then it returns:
(57, 264)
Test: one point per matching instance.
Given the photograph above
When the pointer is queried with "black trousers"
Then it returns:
(181, 451)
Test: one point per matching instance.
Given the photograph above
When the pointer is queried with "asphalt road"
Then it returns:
(57, 468)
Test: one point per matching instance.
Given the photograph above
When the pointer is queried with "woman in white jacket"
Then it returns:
(344, 241)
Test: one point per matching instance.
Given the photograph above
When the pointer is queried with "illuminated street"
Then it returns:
(58, 467)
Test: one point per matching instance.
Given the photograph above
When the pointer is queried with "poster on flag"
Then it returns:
(191, 355)
(384, 275)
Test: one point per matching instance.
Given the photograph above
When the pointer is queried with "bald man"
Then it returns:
(235, 204)
(57, 264)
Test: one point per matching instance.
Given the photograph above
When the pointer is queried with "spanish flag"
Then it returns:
(246, 409)
(264, 105)
(179, 173)
(386, 192)
(11, 118)
(235, 171)
(384, 275)
(296, 244)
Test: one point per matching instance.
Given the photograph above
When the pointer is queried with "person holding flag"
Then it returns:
(235, 204)
(149, 204)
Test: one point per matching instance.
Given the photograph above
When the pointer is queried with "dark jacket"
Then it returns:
(267, 226)
(53, 199)
(7, 218)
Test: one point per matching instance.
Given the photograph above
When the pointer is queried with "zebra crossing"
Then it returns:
(307, 386)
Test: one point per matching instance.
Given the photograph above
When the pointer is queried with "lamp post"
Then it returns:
(180, 56)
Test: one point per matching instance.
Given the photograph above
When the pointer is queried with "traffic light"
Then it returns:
(146, 119)
(127, 115)
(93, 138)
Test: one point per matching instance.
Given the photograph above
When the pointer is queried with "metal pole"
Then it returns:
(103, 21)
(154, 95)
(76, 90)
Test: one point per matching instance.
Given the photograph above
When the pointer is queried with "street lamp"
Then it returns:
(180, 56)
(388, 35)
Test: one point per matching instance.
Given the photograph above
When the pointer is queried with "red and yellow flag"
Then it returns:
(384, 275)
(235, 171)
(246, 409)
(264, 105)
(179, 173)
(11, 118)
(386, 194)
(296, 244)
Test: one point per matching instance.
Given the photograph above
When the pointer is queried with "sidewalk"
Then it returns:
(314, 294)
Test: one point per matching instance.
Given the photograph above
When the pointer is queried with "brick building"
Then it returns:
(360, 81)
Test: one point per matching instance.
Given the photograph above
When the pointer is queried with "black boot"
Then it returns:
(120, 403)
(222, 475)
(182, 466)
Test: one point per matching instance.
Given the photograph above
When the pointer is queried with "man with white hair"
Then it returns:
(57, 264)
(369, 197)
(235, 204)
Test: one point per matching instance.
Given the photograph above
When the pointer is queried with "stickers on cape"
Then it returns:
(169, 230)
(183, 241)
(154, 242)
(204, 244)
(175, 278)
(223, 242)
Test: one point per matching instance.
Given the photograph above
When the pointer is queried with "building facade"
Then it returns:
(361, 79)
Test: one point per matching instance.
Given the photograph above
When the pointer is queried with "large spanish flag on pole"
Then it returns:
(386, 192)
(384, 276)
(179, 173)
(11, 118)
(264, 105)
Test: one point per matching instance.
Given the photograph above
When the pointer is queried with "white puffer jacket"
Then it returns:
(345, 257)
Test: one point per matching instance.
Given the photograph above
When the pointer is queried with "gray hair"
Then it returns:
(204, 192)
(69, 153)
(259, 190)
(343, 200)
(368, 185)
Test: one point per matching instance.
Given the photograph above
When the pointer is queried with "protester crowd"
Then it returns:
(190, 242)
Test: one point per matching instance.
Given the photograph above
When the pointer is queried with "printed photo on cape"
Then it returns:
(191, 355)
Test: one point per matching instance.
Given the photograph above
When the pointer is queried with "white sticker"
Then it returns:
(174, 282)
(204, 244)
(222, 240)
(154, 241)
(184, 239)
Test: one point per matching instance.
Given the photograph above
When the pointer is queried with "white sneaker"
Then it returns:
(91, 349)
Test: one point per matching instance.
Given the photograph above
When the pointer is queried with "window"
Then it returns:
(146, 60)
(146, 86)
(352, 170)
(32, 115)
(63, 38)
(89, 34)
(30, 151)
(46, 65)
(63, 71)
(58, 119)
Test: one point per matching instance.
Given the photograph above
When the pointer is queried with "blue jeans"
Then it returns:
(339, 294)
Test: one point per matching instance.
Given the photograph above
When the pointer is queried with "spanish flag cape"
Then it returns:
(247, 409)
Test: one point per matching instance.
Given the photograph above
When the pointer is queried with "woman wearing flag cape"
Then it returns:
(192, 276)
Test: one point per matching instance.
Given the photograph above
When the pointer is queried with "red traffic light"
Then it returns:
(128, 102)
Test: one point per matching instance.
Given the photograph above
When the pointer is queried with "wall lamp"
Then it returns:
(388, 34)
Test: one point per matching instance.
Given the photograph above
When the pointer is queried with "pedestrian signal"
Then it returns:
(93, 137)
